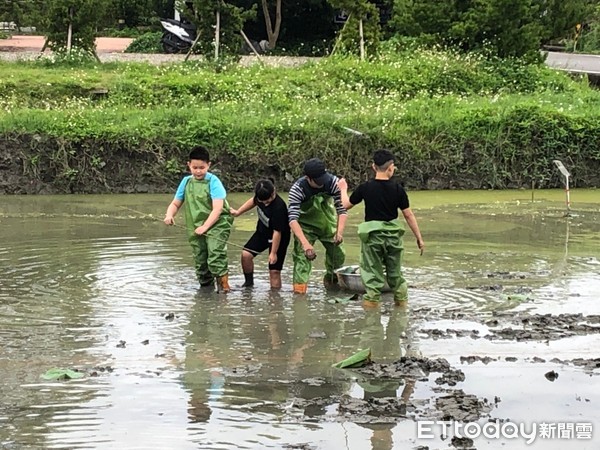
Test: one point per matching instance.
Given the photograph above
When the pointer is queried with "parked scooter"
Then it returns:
(178, 35)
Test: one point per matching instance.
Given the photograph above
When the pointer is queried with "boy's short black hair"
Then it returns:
(200, 153)
(264, 190)
(381, 157)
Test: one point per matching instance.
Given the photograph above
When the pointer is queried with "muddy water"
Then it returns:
(89, 285)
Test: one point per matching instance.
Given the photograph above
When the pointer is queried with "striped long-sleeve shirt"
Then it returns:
(301, 191)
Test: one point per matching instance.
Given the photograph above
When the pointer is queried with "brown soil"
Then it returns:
(35, 43)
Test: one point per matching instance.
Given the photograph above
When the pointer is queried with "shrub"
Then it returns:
(146, 43)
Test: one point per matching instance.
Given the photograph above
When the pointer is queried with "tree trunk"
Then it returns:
(273, 35)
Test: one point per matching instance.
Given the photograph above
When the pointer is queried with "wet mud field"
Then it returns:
(501, 334)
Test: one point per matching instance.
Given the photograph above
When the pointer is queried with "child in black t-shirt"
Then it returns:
(381, 233)
(272, 232)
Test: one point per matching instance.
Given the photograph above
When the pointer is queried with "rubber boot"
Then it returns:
(249, 279)
(369, 304)
(330, 281)
(206, 280)
(300, 288)
(223, 284)
(401, 295)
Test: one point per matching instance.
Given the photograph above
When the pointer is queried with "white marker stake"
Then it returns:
(566, 174)
(352, 131)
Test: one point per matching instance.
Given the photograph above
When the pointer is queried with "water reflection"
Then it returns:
(135, 352)
(77, 276)
(389, 337)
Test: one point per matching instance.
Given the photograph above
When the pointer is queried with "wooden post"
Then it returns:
(566, 174)
(339, 38)
(217, 35)
(70, 30)
(193, 45)
(362, 40)
(250, 45)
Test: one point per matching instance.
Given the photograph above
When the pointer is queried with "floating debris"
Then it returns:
(62, 374)
(551, 376)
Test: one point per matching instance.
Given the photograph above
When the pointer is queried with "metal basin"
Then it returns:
(349, 279)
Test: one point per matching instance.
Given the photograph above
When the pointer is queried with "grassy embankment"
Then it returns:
(456, 121)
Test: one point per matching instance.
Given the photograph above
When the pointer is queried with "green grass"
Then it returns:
(456, 120)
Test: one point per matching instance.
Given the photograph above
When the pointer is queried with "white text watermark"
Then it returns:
(428, 429)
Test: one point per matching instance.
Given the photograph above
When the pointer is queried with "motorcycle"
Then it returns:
(178, 35)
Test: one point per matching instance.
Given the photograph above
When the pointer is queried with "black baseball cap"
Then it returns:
(315, 170)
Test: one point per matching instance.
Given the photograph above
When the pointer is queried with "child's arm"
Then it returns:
(217, 208)
(172, 211)
(411, 220)
(342, 212)
(177, 202)
(247, 206)
(295, 198)
(297, 230)
(341, 225)
(343, 187)
(274, 246)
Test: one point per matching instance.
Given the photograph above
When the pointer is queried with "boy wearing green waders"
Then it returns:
(314, 201)
(381, 233)
(207, 219)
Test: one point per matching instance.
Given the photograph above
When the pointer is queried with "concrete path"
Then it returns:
(111, 49)
(574, 62)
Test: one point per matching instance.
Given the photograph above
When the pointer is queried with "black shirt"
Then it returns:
(273, 217)
(382, 199)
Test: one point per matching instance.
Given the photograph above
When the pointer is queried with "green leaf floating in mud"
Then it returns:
(516, 298)
(359, 359)
(61, 374)
(344, 300)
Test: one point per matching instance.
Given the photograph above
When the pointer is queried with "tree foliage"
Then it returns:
(84, 16)
(133, 13)
(559, 17)
(21, 12)
(358, 10)
(302, 22)
(163, 8)
(203, 14)
(511, 28)
(589, 41)
(506, 27)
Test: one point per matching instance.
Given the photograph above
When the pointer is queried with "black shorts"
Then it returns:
(258, 243)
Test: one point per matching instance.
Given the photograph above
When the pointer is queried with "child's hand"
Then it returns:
(310, 254)
(169, 220)
(234, 212)
(342, 184)
(338, 239)
(272, 258)
(309, 251)
(421, 245)
(200, 230)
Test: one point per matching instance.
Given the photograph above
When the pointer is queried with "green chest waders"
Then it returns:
(381, 253)
(318, 220)
(210, 250)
